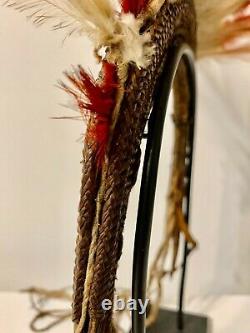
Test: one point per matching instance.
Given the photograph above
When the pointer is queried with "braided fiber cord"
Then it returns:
(91, 190)
(124, 158)
(87, 207)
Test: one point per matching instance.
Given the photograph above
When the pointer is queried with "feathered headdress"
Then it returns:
(135, 36)
(223, 27)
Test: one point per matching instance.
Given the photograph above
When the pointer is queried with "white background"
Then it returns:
(40, 168)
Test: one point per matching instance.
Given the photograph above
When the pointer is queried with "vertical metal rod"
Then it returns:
(149, 178)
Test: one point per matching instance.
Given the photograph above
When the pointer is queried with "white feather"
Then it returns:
(98, 19)
(134, 47)
(76, 16)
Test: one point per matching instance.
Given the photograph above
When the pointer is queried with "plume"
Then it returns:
(96, 101)
(76, 16)
(99, 20)
(223, 26)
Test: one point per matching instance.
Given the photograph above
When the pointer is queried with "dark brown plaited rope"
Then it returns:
(178, 17)
(87, 208)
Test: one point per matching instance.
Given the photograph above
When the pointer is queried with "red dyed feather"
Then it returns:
(96, 98)
(237, 37)
(134, 6)
(243, 12)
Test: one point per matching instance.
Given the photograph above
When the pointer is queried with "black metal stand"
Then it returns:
(148, 188)
(166, 323)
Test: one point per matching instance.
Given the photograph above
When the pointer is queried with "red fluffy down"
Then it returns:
(134, 6)
(96, 99)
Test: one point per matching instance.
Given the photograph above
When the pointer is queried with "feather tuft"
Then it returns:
(223, 26)
(93, 17)
(99, 19)
(96, 102)
(136, 48)
(237, 26)
(134, 6)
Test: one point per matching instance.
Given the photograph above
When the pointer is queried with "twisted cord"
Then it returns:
(87, 207)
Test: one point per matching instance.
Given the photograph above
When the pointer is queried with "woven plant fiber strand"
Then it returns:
(87, 208)
(174, 23)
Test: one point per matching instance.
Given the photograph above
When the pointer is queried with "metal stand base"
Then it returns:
(167, 323)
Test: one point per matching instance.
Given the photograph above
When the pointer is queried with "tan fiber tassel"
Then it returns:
(175, 223)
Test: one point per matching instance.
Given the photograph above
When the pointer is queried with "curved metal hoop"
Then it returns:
(149, 178)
